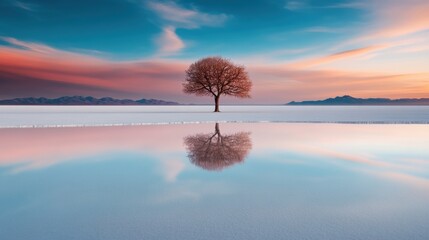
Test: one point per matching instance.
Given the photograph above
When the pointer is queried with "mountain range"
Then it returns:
(349, 100)
(80, 100)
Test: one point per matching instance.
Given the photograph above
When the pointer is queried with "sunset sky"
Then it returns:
(293, 50)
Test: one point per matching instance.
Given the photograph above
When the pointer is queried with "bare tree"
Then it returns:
(216, 76)
(216, 151)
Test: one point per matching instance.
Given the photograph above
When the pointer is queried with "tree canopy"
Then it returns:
(216, 76)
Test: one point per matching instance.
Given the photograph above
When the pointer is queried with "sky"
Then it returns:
(293, 50)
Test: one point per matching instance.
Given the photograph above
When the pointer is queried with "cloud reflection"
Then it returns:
(387, 151)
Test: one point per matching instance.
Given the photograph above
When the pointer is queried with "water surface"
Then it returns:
(202, 181)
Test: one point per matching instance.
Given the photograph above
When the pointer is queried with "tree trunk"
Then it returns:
(219, 137)
(216, 104)
(217, 131)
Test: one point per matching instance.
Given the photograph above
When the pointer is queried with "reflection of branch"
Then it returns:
(215, 151)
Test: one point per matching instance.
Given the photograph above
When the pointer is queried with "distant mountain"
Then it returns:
(349, 100)
(79, 100)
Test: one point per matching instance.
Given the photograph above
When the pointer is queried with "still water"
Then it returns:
(216, 181)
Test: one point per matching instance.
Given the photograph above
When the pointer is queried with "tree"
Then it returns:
(216, 76)
(216, 151)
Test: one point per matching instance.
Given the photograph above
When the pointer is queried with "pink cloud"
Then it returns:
(335, 57)
(388, 24)
(169, 42)
(173, 16)
(30, 69)
(396, 17)
(390, 19)
(281, 82)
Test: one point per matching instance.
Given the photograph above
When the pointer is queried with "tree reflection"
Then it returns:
(215, 151)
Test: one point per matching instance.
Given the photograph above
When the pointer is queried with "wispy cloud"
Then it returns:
(322, 29)
(31, 7)
(352, 5)
(273, 55)
(295, 5)
(169, 43)
(391, 19)
(367, 51)
(35, 69)
(180, 17)
(34, 47)
(174, 16)
(45, 51)
(286, 81)
(30, 69)
(398, 18)
(335, 57)
(414, 49)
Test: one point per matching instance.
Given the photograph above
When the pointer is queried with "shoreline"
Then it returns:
(93, 116)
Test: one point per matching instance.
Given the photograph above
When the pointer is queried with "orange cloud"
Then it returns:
(394, 18)
(30, 69)
(334, 57)
(282, 82)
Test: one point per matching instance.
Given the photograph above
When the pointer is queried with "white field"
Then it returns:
(67, 116)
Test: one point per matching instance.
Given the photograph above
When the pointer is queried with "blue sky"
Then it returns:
(130, 29)
(286, 45)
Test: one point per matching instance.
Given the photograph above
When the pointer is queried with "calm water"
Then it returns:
(202, 181)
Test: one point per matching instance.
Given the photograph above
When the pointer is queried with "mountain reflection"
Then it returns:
(214, 151)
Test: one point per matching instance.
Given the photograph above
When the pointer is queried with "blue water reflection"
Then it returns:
(286, 181)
